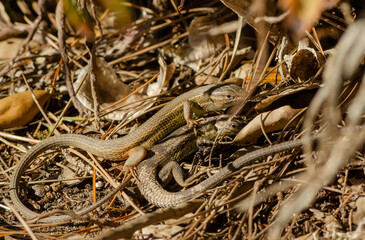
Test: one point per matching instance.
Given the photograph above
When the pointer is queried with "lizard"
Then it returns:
(152, 190)
(174, 114)
(180, 143)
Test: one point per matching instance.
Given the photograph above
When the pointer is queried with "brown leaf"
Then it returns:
(299, 97)
(272, 121)
(305, 64)
(109, 90)
(244, 72)
(9, 48)
(359, 214)
(201, 48)
(19, 109)
(240, 7)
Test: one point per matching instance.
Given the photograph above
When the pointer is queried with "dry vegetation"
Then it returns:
(301, 62)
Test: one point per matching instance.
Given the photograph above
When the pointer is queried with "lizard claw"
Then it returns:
(131, 169)
(193, 122)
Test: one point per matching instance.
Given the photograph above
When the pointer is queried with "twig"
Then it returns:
(91, 47)
(64, 110)
(93, 69)
(21, 220)
(147, 49)
(37, 103)
(336, 153)
(12, 145)
(18, 138)
(42, 12)
(235, 48)
(60, 20)
(126, 230)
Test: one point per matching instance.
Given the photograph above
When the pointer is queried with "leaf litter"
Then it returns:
(307, 59)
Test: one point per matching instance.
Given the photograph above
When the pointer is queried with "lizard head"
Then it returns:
(221, 126)
(222, 96)
(229, 127)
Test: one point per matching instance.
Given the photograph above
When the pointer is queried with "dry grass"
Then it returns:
(311, 194)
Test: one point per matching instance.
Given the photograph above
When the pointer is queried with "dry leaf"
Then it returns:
(272, 121)
(297, 98)
(162, 231)
(163, 79)
(109, 89)
(305, 61)
(305, 64)
(308, 236)
(244, 72)
(201, 48)
(12, 31)
(205, 79)
(240, 7)
(359, 214)
(19, 109)
(251, 10)
(9, 48)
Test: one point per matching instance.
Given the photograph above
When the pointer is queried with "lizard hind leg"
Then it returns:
(173, 170)
(135, 156)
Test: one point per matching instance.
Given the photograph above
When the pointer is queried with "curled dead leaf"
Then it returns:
(306, 64)
(109, 90)
(237, 6)
(359, 214)
(19, 109)
(201, 48)
(271, 121)
(299, 97)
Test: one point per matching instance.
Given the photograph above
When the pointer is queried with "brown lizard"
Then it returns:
(156, 194)
(182, 109)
